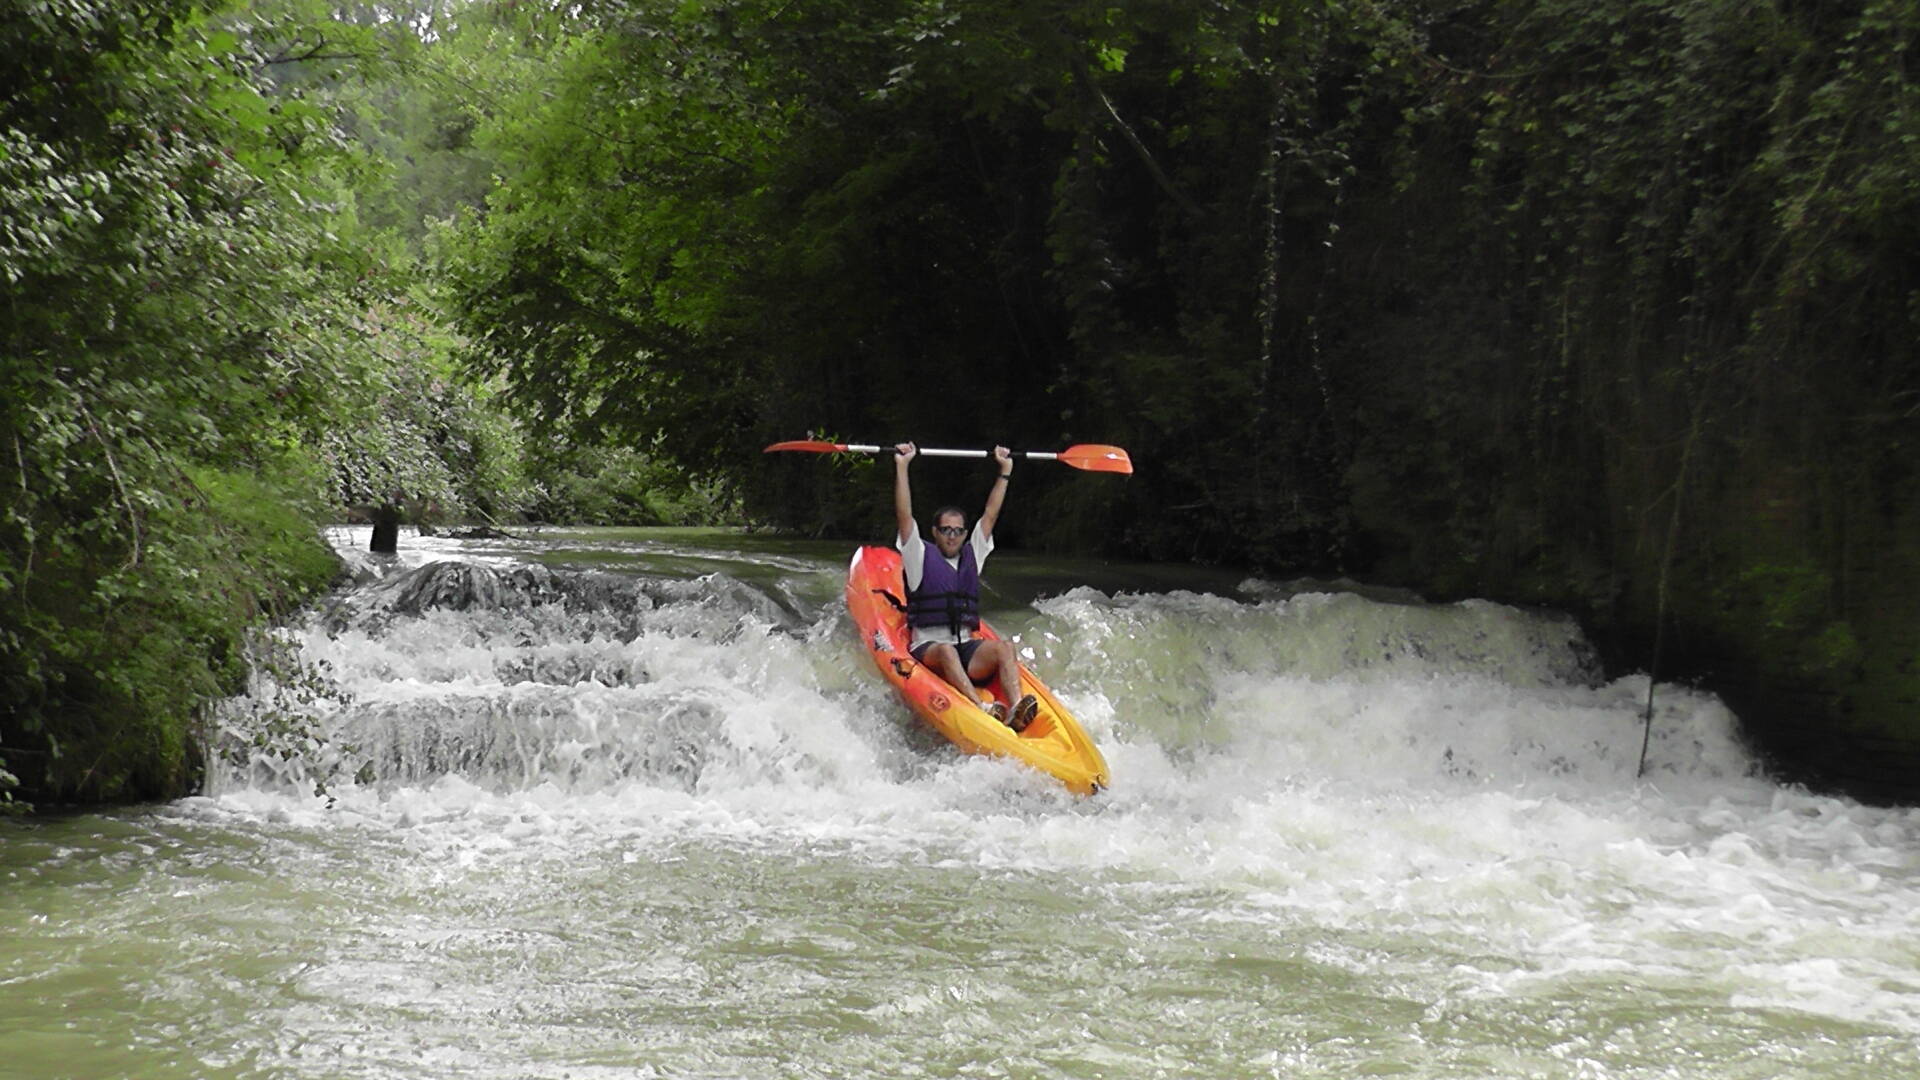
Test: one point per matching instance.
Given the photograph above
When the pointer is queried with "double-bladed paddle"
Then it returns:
(1093, 457)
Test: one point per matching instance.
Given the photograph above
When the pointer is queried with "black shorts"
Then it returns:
(966, 648)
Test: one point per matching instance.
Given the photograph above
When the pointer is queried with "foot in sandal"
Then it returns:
(1024, 712)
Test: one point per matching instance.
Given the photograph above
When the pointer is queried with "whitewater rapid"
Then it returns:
(644, 810)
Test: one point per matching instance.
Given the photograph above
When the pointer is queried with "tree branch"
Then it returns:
(1139, 148)
(313, 53)
(119, 483)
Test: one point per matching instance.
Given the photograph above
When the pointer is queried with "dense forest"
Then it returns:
(1609, 306)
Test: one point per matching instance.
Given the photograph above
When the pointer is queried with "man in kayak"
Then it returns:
(943, 593)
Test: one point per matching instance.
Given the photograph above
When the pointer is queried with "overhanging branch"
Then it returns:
(1140, 150)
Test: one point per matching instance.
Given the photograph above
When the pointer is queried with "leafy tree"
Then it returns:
(177, 320)
(726, 221)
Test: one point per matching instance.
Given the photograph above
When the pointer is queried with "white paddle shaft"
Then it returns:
(1032, 455)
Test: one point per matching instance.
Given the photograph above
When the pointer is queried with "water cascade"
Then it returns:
(643, 811)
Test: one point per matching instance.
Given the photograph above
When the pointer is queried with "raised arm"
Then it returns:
(902, 492)
(1004, 459)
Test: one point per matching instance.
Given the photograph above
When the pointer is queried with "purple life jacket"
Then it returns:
(946, 597)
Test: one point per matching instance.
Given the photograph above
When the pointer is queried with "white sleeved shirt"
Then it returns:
(914, 551)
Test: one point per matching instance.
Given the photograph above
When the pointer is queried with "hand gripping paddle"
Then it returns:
(1092, 457)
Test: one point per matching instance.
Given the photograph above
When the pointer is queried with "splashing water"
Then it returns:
(632, 804)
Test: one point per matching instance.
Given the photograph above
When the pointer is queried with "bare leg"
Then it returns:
(945, 661)
(995, 660)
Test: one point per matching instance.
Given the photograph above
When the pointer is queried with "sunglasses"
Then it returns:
(950, 530)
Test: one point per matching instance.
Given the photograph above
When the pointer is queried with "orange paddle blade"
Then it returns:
(807, 445)
(1095, 457)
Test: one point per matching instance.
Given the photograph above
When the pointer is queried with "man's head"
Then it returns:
(949, 530)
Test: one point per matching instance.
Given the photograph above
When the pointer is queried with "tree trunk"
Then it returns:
(386, 530)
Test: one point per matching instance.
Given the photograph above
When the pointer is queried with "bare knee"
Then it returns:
(990, 659)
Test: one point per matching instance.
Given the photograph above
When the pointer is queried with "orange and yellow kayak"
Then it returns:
(1054, 742)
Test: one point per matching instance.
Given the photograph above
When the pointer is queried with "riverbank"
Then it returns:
(112, 667)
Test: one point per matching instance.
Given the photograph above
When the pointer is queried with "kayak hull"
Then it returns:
(1054, 742)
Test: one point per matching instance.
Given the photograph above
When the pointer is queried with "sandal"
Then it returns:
(1023, 713)
(995, 710)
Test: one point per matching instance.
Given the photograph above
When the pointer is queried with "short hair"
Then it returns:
(945, 510)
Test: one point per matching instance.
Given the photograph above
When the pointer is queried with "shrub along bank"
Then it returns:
(113, 658)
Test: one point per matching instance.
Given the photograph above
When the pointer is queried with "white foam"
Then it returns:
(1450, 775)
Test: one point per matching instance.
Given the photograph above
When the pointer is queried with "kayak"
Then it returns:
(1053, 742)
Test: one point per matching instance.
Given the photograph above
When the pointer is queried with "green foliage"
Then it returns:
(175, 321)
(109, 668)
(416, 434)
(615, 485)
(1666, 334)
(410, 106)
(719, 221)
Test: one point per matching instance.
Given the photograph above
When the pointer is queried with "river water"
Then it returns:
(631, 804)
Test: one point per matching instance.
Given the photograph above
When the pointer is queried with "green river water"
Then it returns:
(631, 803)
